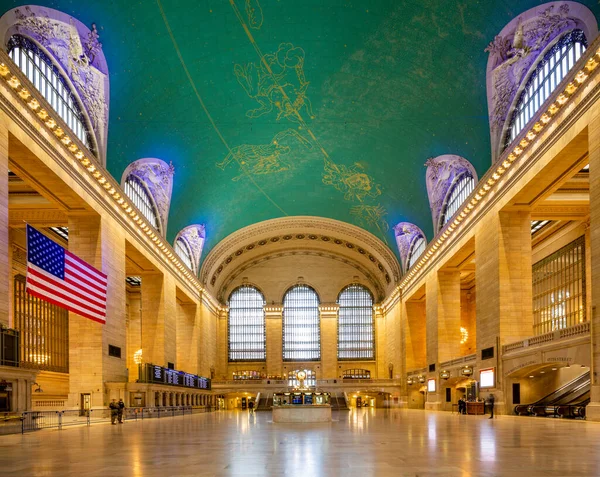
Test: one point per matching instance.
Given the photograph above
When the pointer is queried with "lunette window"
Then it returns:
(136, 191)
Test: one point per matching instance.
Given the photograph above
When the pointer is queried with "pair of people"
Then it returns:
(117, 409)
(462, 406)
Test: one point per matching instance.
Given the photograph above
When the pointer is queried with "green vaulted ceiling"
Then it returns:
(269, 108)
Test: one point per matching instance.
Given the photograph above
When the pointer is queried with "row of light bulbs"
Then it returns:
(95, 171)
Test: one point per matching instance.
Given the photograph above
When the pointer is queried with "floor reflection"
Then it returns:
(362, 442)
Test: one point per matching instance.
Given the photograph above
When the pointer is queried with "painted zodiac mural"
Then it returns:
(355, 184)
(266, 158)
(277, 82)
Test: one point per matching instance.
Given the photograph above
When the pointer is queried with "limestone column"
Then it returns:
(188, 337)
(503, 276)
(159, 319)
(380, 343)
(329, 362)
(5, 266)
(101, 244)
(593, 408)
(213, 351)
(274, 323)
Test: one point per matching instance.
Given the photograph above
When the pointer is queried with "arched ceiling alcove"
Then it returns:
(329, 239)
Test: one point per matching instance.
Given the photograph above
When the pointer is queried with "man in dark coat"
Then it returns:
(491, 400)
(114, 409)
(121, 410)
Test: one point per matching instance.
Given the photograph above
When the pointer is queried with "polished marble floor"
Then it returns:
(363, 442)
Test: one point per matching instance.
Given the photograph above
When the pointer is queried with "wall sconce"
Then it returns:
(421, 378)
(410, 381)
(466, 371)
(444, 374)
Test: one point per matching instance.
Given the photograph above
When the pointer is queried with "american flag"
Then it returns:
(59, 277)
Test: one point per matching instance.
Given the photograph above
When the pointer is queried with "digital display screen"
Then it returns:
(431, 385)
(487, 378)
(160, 375)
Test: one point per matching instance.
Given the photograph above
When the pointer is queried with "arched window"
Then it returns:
(137, 192)
(48, 80)
(310, 381)
(356, 333)
(246, 325)
(417, 248)
(301, 325)
(184, 253)
(549, 72)
(457, 194)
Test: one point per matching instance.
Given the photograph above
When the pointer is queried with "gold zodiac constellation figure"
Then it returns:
(371, 215)
(351, 181)
(277, 82)
(254, 14)
(266, 158)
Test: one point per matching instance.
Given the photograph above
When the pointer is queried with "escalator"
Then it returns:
(567, 401)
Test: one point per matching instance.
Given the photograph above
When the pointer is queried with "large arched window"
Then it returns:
(48, 80)
(136, 191)
(301, 325)
(356, 333)
(184, 253)
(457, 194)
(549, 72)
(417, 247)
(246, 325)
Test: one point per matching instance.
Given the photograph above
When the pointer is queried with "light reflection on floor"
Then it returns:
(365, 442)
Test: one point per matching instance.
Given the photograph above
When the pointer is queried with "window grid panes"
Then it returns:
(47, 79)
(43, 331)
(459, 192)
(136, 191)
(356, 374)
(416, 250)
(183, 252)
(553, 68)
(301, 325)
(246, 325)
(310, 381)
(559, 289)
(356, 334)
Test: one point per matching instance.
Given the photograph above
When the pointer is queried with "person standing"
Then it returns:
(121, 410)
(251, 406)
(114, 410)
(491, 400)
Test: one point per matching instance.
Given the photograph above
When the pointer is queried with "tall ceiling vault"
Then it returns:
(274, 108)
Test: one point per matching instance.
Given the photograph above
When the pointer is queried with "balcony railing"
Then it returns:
(580, 329)
(459, 361)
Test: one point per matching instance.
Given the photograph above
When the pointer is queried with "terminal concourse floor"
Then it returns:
(363, 442)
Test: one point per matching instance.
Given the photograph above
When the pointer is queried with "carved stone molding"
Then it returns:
(373, 281)
(406, 233)
(331, 233)
(516, 50)
(76, 50)
(442, 172)
(194, 236)
(157, 176)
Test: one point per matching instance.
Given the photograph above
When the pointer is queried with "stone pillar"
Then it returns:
(415, 334)
(504, 287)
(274, 325)
(158, 319)
(100, 244)
(593, 408)
(5, 265)
(329, 362)
(188, 337)
(212, 325)
(380, 343)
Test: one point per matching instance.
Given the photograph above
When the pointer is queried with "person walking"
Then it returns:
(114, 410)
(121, 410)
(491, 400)
(251, 406)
